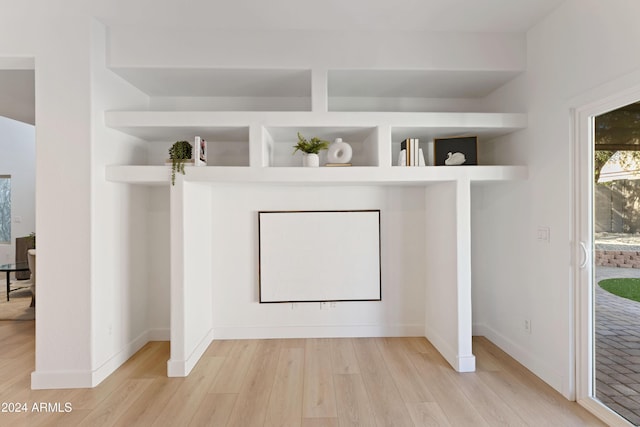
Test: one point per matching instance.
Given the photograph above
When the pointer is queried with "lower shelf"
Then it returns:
(161, 175)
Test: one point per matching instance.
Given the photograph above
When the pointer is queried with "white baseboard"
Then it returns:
(459, 362)
(160, 334)
(43, 380)
(337, 331)
(525, 357)
(181, 368)
(89, 379)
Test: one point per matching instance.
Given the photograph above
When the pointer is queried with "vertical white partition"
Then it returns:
(448, 278)
(319, 90)
(465, 360)
(260, 146)
(191, 308)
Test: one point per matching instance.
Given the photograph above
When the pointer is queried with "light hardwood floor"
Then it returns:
(300, 382)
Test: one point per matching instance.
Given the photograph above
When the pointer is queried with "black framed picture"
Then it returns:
(456, 151)
(347, 242)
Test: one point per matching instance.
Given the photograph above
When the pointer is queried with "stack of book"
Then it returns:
(410, 153)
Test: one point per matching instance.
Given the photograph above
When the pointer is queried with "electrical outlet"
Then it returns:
(527, 326)
(544, 234)
(327, 305)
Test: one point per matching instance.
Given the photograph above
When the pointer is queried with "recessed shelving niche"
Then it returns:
(222, 89)
(246, 140)
(412, 90)
(279, 143)
(250, 119)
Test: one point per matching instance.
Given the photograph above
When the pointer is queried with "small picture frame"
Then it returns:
(456, 151)
(200, 151)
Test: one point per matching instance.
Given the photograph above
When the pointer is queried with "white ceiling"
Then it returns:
(412, 15)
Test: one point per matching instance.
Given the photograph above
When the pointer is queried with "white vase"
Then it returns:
(310, 160)
(339, 152)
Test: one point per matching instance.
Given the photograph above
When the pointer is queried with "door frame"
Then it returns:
(584, 109)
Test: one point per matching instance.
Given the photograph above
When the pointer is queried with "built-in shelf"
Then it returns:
(250, 120)
(416, 83)
(222, 89)
(262, 139)
(169, 125)
(160, 175)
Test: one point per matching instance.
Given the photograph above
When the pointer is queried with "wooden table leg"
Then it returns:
(8, 283)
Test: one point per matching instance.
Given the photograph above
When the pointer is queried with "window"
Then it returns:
(5, 208)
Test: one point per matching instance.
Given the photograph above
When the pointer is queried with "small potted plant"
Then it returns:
(310, 149)
(179, 152)
(31, 240)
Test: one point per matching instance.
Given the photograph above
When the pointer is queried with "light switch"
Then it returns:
(544, 234)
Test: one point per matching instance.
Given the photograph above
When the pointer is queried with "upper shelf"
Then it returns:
(416, 83)
(173, 125)
(278, 83)
(219, 82)
(317, 89)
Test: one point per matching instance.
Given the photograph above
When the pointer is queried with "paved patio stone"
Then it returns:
(617, 324)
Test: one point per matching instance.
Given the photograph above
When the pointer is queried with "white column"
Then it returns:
(448, 272)
(466, 361)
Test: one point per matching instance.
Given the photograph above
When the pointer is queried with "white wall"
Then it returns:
(580, 46)
(99, 317)
(18, 159)
(63, 197)
(119, 255)
(234, 263)
(158, 261)
(236, 310)
(154, 46)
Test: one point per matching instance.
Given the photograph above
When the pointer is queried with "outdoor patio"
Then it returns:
(618, 347)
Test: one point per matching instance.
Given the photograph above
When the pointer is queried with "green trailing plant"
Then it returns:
(311, 146)
(178, 153)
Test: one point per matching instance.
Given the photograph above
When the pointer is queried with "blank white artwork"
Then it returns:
(319, 256)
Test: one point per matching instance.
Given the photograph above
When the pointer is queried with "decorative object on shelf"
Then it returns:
(456, 151)
(421, 161)
(410, 153)
(402, 158)
(201, 147)
(454, 159)
(339, 153)
(310, 160)
(310, 149)
(179, 153)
